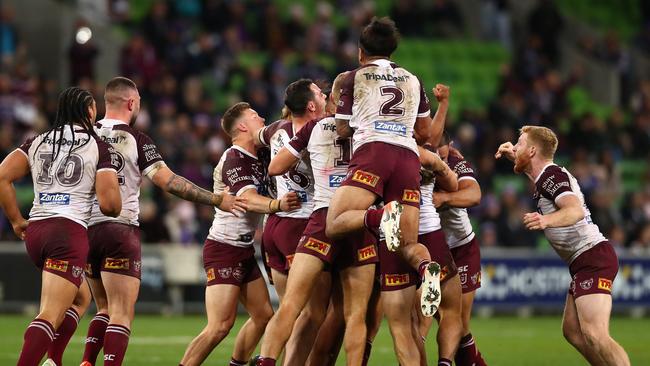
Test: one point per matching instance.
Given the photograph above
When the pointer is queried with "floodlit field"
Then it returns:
(503, 341)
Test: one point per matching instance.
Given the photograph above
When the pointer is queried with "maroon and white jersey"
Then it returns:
(238, 170)
(137, 155)
(429, 217)
(568, 241)
(65, 186)
(299, 179)
(382, 100)
(329, 155)
(455, 221)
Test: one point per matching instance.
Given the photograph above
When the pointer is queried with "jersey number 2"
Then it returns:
(391, 106)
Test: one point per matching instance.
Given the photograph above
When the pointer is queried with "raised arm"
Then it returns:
(12, 168)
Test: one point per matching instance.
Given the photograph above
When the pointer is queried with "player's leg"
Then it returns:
(347, 210)
(309, 321)
(69, 324)
(330, 335)
(374, 317)
(57, 295)
(419, 339)
(468, 352)
(572, 332)
(399, 323)
(593, 313)
(97, 327)
(255, 297)
(303, 275)
(357, 283)
(122, 293)
(450, 325)
(221, 308)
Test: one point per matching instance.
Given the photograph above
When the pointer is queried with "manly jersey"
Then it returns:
(455, 221)
(429, 217)
(381, 101)
(238, 170)
(568, 241)
(299, 179)
(64, 185)
(137, 156)
(329, 155)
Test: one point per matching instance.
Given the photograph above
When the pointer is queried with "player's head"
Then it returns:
(121, 96)
(378, 39)
(240, 118)
(443, 146)
(535, 142)
(303, 97)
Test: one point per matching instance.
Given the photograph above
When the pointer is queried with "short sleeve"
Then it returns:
(25, 146)
(237, 173)
(148, 153)
(300, 141)
(554, 183)
(424, 108)
(346, 99)
(462, 168)
(107, 159)
(266, 133)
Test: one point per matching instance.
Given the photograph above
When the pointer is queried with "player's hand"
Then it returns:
(441, 92)
(506, 149)
(290, 202)
(454, 151)
(20, 227)
(440, 199)
(232, 204)
(535, 221)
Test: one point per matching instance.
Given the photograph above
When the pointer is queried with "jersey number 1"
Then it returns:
(68, 172)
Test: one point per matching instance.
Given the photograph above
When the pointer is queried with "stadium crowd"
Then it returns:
(190, 59)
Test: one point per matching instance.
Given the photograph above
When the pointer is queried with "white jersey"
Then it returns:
(329, 155)
(455, 221)
(299, 179)
(568, 241)
(381, 101)
(429, 218)
(238, 170)
(65, 186)
(137, 156)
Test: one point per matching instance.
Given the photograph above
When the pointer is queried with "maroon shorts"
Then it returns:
(468, 262)
(357, 249)
(58, 246)
(227, 264)
(396, 274)
(593, 272)
(281, 236)
(389, 171)
(115, 248)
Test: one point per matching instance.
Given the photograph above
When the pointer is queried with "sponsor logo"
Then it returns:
(290, 260)
(116, 263)
(365, 178)
(210, 274)
(56, 265)
(385, 77)
(137, 265)
(586, 284)
(92, 339)
(336, 180)
(463, 269)
(317, 246)
(88, 269)
(302, 196)
(396, 279)
(605, 284)
(225, 272)
(444, 271)
(411, 195)
(476, 278)
(76, 271)
(463, 278)
(54, 198)
(366, 253)
(238, 273)
(109, 357)
(391, 127)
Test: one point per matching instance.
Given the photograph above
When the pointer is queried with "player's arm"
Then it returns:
(467, 195)
(282, 162)
(179, 186)
(107, 190)
(12, 168)
(446, 178)
(441, 92)
(262, 204)
(343, 128)
(570, 212)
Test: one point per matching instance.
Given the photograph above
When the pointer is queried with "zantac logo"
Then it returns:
(317, 246)
(391, 127)
(56, 265)
(605, 284)
(365, 178)
(396, 279)
(411, 195)
(366, 253)
(116, 263)
(54, 198)
(336, 180)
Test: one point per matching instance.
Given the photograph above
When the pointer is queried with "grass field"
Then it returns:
(160, 340)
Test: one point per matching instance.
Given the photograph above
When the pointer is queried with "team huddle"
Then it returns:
(363, 201)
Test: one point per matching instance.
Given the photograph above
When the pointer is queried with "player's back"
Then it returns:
(382, 101)
(64, 181)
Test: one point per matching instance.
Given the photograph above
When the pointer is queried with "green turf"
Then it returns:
(503, 341)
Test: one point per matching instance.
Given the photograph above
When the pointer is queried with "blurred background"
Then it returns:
(580, 67)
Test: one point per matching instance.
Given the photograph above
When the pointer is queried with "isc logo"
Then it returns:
(390, 127)
(336, 180)
(54, 198)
